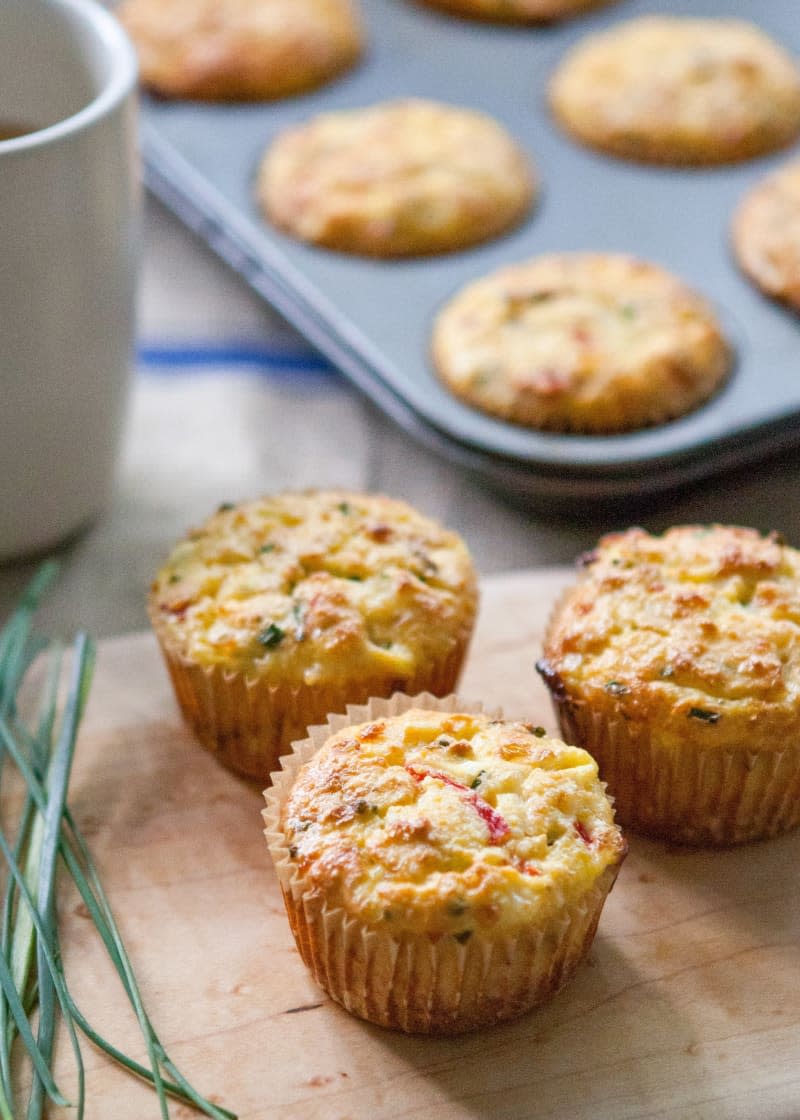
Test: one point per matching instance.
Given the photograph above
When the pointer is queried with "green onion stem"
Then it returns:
(57, 782)
(49, 953)
(45, 831)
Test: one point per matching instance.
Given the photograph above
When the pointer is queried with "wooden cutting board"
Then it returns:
(689, 1005)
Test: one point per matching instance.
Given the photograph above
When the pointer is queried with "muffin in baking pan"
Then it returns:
(442, 869)
(400, 178)
(279, 610)
(766, 234)
(241, 50)
(677, 90)
(675, 660)
(517, 11)
(580, 342)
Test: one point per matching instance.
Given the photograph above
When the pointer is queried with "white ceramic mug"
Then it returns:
(69, 234)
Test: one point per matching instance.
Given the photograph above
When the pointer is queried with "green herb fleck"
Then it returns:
(456, 907)
(344, 507)
(476, 781)
(628, 311)
(616, 688)
(223, 507)
(269, 547)
(704, 714)
(539, 732)
(271, 636)
(174, 578)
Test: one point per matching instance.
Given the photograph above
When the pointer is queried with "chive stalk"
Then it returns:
(47, 836)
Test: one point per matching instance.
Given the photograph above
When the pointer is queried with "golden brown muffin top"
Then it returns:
(698, 628)
(401, 177)
(231, 50)
(587, 342)
(766, 234)
(679, 90)
(447, 822)
(313, 585)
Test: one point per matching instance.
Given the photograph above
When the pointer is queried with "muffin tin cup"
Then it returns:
(248, 722)
(677, 791)
(373, 318)
(414, 982)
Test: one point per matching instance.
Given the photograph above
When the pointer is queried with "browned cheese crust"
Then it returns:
(766, 235)
(282, 609)
(443, 870)
(238, 50)
(675, 660)
(400, 178)
(664, 89)
(580, 342)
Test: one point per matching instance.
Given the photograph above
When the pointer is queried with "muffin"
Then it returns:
(667, 89)
(580, 342)
(442, 869)
(766, 235)
(517, 11)
(401, 178)
(280, 610)
(241, 50)
(675, 660)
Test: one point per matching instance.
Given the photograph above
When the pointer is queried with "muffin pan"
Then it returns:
(372, 318)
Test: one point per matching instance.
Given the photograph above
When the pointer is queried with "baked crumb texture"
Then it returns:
(400, 178)
(766, 234)
(280, 610)
(442, 869)
(675, 660)
(241, 50)
(675, 90)
(580, 342)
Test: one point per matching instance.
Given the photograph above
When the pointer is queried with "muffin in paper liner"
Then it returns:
(421, 980)
(682, 793)
(279, 610)
(674, 662)
(248, 722)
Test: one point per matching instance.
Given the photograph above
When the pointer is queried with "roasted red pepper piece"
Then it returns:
(498, 827)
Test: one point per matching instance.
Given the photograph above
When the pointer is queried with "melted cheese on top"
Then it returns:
(700, 626)
(446, 823)
(313, 586)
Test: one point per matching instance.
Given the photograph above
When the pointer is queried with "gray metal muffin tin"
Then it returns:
(373, 318)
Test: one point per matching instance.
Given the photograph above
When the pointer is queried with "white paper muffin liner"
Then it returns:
(248, 722)
(684, 792)
(681, 792)
(413, 982)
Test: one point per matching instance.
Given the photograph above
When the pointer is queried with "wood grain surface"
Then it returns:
(689, 1005)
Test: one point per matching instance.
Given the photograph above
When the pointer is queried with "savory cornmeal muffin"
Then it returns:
(396, 179)
(280, 610)
(580, 342)
(442, 869)
(517, 11)
(240, 50)
(766, 235)
(667, 89)
(675, 661)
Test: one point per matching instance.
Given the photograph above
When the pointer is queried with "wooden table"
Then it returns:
(688, 1007)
